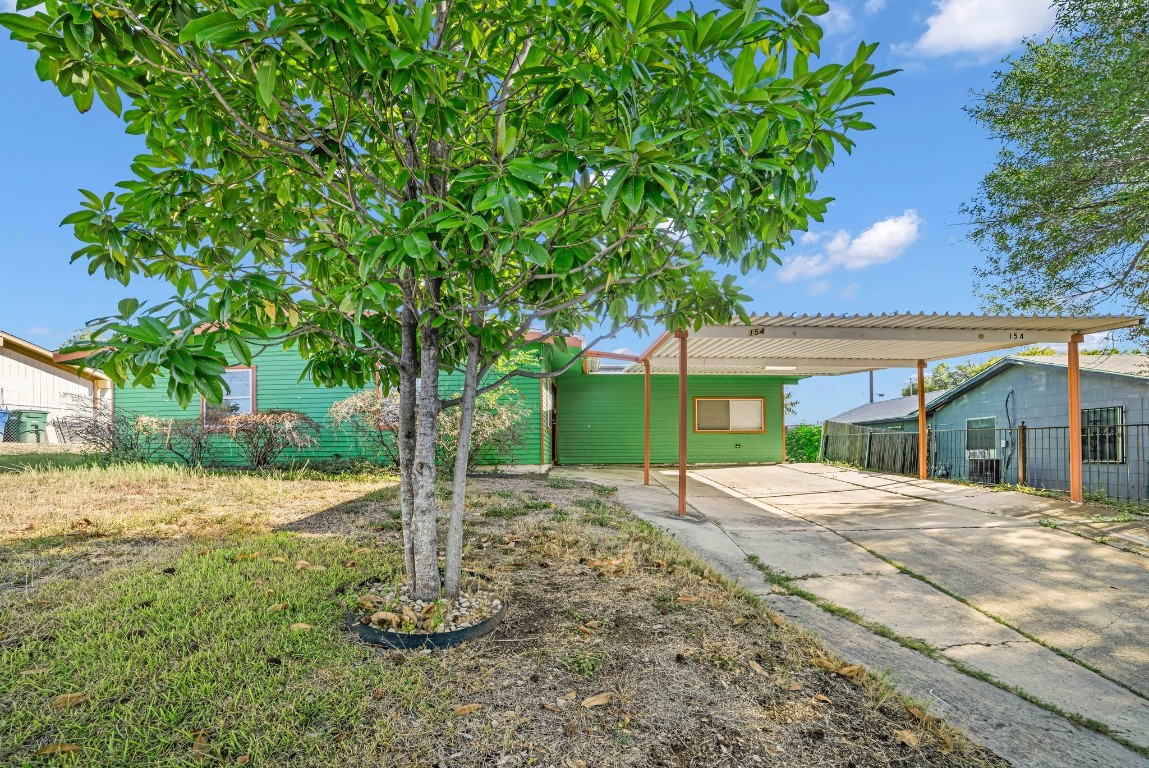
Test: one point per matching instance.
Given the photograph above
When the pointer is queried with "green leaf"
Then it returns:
(23, 27)
(611, 192)
(220, 27)
(127, 307)
(109, 95)
(265, 76)
(417, 244)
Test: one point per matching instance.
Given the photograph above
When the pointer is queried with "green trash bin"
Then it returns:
(27, 427)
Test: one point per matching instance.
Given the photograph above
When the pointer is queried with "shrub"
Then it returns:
(262, 437)
(118, 435)
(803, 442)
(372, 418)
(189, 440)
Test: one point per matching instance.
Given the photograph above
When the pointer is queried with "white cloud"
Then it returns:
(882, 242)
(984, 27)
(875, 6)
(623, 351)
(849, 292)
(40, 330)
(837, 21)
(819, 287)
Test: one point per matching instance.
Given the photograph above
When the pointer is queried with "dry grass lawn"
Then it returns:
(155, 616)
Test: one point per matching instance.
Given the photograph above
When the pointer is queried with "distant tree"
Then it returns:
(1064, 214)
(945, 376)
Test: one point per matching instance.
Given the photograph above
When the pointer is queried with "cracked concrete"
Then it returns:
(794, 522)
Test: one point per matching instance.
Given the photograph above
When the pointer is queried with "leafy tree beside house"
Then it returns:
(1064, 213)
(396, 190)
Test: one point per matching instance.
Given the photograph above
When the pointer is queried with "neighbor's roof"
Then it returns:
(894, 409)
(810, 345)
(36, 352)
(1136, 366)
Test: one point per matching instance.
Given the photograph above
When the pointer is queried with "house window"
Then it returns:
(238, 396)
(729, 414)
(1102, 438)
(979, 434)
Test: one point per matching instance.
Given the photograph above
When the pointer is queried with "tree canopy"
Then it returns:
(1064, 213)
(399, 188)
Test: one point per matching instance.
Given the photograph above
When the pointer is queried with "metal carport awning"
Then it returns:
(828, 345)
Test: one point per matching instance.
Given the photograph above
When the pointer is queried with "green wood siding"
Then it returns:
(278, 387)
(600, 419)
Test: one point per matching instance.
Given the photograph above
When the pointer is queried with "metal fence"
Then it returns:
(1115, 457)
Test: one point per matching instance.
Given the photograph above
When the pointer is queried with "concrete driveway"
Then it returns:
(968, 572)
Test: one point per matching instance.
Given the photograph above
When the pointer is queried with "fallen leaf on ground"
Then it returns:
(947, 743)
(822, 698)
(386, 617)
(366, 601)
(243, 760)
(907, 737)
(377, 694)
(466, 709)
(794, 686)
(849, 670)
(65, 700)
(778, 621)
(918, 715)
(279, 559)
(363, 551)
(823, 662)
(738, 622)
(688, 599)
(277, 607)
(570, 762)
(300, 627)
(595, 624)
(585, 631)
(199, 746)
(58, 749)
(597, 700)
(301, 564)
(757, 668)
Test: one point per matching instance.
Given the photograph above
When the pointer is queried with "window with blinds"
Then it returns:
(729, 414)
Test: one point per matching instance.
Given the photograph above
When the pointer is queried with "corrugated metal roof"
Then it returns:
(809, 345)
(1124, 365)
(885, 410)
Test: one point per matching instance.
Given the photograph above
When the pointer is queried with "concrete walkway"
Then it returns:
(841, 532)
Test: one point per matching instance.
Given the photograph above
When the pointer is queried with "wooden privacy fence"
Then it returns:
(878, 449)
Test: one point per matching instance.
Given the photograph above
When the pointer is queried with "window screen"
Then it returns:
(729, 414)
(1102, 435)
(237, 398)
(979, 435)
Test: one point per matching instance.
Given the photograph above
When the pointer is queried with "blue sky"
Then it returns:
(894, 240)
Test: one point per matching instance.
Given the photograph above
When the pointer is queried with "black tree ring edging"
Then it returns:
(413, 641)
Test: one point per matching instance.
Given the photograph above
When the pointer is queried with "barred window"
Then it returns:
(1103, 435)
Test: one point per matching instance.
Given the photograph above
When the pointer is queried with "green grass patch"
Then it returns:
(210, 644)
(17, 462)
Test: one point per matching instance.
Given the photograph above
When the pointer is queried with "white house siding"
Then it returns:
(29, 384)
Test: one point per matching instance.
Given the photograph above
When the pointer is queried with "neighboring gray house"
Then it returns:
(975, 425)
(898, 414)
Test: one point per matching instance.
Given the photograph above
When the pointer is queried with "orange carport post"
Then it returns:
(923, 442)
(682, 368)
(646, 422)
(1076, 490)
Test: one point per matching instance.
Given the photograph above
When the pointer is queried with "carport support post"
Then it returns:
(923, 443)
(681, 422)
(646, 423)
(1076, 491)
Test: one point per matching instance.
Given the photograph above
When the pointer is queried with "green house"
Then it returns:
(592, 413)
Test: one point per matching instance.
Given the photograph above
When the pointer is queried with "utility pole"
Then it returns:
(871, 386)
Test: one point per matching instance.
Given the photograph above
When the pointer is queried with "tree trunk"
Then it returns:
(425, 528)
(454, 568)
(405, 437)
